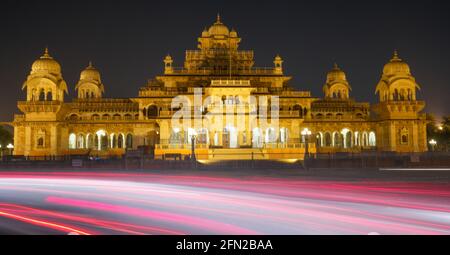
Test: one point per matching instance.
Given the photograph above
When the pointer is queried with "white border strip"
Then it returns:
(414, 169)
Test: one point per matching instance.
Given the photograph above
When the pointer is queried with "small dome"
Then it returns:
(218, 28)
(396, 66)
(233, 33)
(90, 73)
(46, 64)
(205, 33)
(336, 74)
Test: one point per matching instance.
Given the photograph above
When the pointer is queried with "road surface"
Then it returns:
(92, 203)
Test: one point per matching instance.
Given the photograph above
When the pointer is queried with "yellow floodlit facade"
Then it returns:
(218, 69)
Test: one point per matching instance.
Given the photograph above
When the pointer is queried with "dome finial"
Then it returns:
(46, 54)
(90, 64)
(218, 18)
(335, 66)
(396, 57)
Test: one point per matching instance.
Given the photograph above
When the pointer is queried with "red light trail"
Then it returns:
(144, 203)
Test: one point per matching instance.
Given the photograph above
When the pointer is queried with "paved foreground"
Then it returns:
(67, 202)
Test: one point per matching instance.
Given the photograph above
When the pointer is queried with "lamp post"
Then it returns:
(433, 143)
(306, 133)
(10, 148)
(193, 138)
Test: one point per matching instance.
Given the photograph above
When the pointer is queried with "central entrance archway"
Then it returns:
(230, 138)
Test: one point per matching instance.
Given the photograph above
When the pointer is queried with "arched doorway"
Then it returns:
(328, 141)
(257, 139)
(129, 141)
(230, 138)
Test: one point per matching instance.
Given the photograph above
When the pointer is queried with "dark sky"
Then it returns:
(127, 41)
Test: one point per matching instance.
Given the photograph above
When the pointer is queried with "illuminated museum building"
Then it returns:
(105, 126)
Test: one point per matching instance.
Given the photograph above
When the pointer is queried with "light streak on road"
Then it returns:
(145, 203)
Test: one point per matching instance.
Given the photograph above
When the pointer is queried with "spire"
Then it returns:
(396, 57)
(218, 21)
(46, 54)
(335, 66)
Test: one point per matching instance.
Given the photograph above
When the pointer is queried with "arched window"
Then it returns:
(319, 139)
(257, 138)
(396, 95)
(106, 117)
(298, 108)
(95, 117)
(72, 141)
(271, 136)
(120, 141)
(74, 117)
(348, 140)
(90, 141)
(328, 140)
(42, 95)
(357, 139)
(117, 116)
(404, 136)
(176, 136)
(129, 143)
(372, 139)
(152, 111)
(284, 135)
(49, 96)
(112, 141)
(40, 142)
(80, 141)
(338, 140)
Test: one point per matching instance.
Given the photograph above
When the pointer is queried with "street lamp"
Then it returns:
(306, 133)
(10, 148)
(193, 138)
(433, 143)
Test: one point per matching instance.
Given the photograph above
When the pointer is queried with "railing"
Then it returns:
(246, 54)
(230, 83)
(264, 146)
(180, 146)
(224, 72)
(296, 93)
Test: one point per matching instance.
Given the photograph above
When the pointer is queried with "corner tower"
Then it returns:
(45, 82)
(402, 127)
(39, 131)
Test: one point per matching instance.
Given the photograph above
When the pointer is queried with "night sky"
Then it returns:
(127, 40)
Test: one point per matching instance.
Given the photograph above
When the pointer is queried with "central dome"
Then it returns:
(46, 64)
(218, 28)
(396, 66)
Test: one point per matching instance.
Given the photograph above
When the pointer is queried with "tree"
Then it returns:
(431, 126)
(5, 137)
(444, 134)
